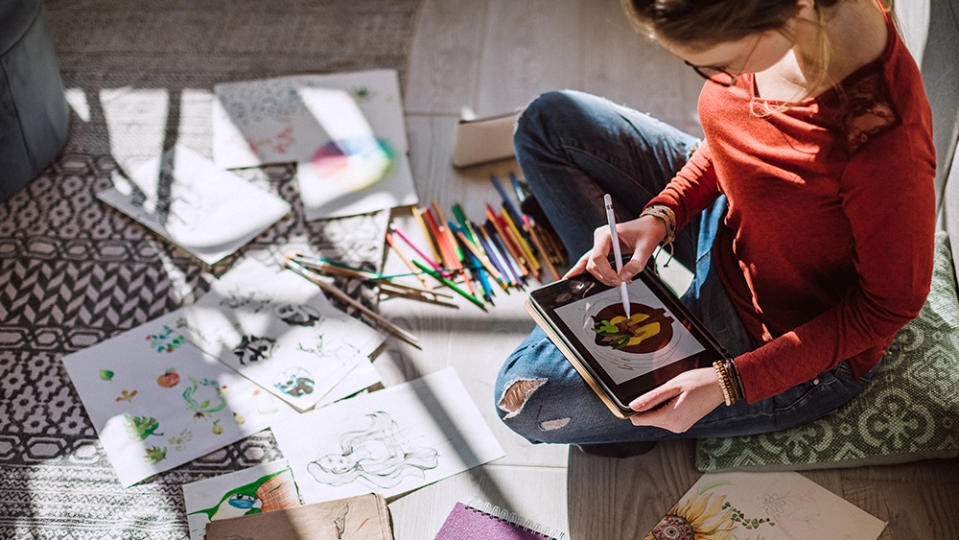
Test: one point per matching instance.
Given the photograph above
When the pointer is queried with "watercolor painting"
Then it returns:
(272, 325)
(286, 119)
(207, 211)
(173, 406)
(651, 338)
(390, 441)
(767, 506)
(263, 488)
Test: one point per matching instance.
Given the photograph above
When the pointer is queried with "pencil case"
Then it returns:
(482, 140)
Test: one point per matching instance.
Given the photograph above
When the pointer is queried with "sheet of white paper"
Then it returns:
(389, 442)
(323, 198)
(622, 365)
(263, 488)
(207, 211)
(278, 330)
(774, 506)
(157, 401)
(267, 121)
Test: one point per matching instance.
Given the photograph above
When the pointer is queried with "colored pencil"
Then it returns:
(506, 200)
(418, 214)
(519, 240)
(506, 240)
(479, 256)
(446, 250)
(378, 320)
(495, 256)
(441, 220)
(417, 250)
(500, 265)
(539, 245)
(480, 272)
(406, 260)
(451, 285)
(493, 236)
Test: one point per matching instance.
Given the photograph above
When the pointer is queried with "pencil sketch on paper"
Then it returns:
(250, 491)
(376, 454)
(297, 314)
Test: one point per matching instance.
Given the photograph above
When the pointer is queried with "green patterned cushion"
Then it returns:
(909, 411)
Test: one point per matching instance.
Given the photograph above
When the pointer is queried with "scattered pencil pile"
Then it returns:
(507, 250)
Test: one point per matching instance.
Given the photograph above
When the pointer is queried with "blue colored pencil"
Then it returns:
(494, 256)
(513, 213)
(495, 240)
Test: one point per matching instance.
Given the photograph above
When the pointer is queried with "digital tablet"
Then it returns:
(622, 358)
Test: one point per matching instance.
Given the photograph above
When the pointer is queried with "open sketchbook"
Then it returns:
(769, 506)
(189, 201)
(278, 330)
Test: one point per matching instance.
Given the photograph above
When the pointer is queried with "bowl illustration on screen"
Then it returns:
(647, 329)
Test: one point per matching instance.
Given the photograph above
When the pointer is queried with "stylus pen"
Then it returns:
(608, 202)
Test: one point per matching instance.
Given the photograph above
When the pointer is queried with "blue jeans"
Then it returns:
(573, 148)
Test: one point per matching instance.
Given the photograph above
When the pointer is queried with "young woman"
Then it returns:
(807, 214)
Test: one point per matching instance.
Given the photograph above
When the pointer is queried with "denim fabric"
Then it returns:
(573, 148)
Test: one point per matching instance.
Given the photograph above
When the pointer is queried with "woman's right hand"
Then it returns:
(640, 235)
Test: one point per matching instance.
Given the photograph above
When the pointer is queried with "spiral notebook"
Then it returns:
(481, 521)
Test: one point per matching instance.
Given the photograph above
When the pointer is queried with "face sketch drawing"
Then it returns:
(296, 314)
(296, 383)
(377, 455)
(253, 349)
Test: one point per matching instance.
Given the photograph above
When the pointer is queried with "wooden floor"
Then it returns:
(493, 56)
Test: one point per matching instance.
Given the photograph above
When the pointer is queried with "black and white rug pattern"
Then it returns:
(74, 272)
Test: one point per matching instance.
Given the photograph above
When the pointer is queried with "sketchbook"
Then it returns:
(364, 517)
(388, 442)
(622, 357)
(186, 199)
(156, 401)
(772, 506)
(278, 330)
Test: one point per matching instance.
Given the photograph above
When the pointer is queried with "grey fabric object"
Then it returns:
(34, 117)
(930, 29)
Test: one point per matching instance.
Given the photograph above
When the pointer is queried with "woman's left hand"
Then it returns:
(689, 396)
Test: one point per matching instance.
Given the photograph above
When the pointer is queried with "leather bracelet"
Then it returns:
(737, 382)
(667, 216)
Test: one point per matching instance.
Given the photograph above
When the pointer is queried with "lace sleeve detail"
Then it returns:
(867, 111)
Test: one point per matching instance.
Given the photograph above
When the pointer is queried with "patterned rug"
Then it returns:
(74, 272)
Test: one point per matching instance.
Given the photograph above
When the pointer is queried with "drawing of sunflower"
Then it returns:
(695, 519)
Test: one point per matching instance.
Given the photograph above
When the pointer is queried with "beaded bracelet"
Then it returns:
(667, 216)
(723, 382)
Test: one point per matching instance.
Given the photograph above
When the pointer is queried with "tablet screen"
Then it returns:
(652, 337)
(627, 356)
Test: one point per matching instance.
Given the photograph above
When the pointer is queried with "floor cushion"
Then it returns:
(908, 411)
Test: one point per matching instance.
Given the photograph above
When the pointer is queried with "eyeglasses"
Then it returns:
(718, 74)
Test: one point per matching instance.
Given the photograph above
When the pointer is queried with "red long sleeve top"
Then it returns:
(826, 247)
